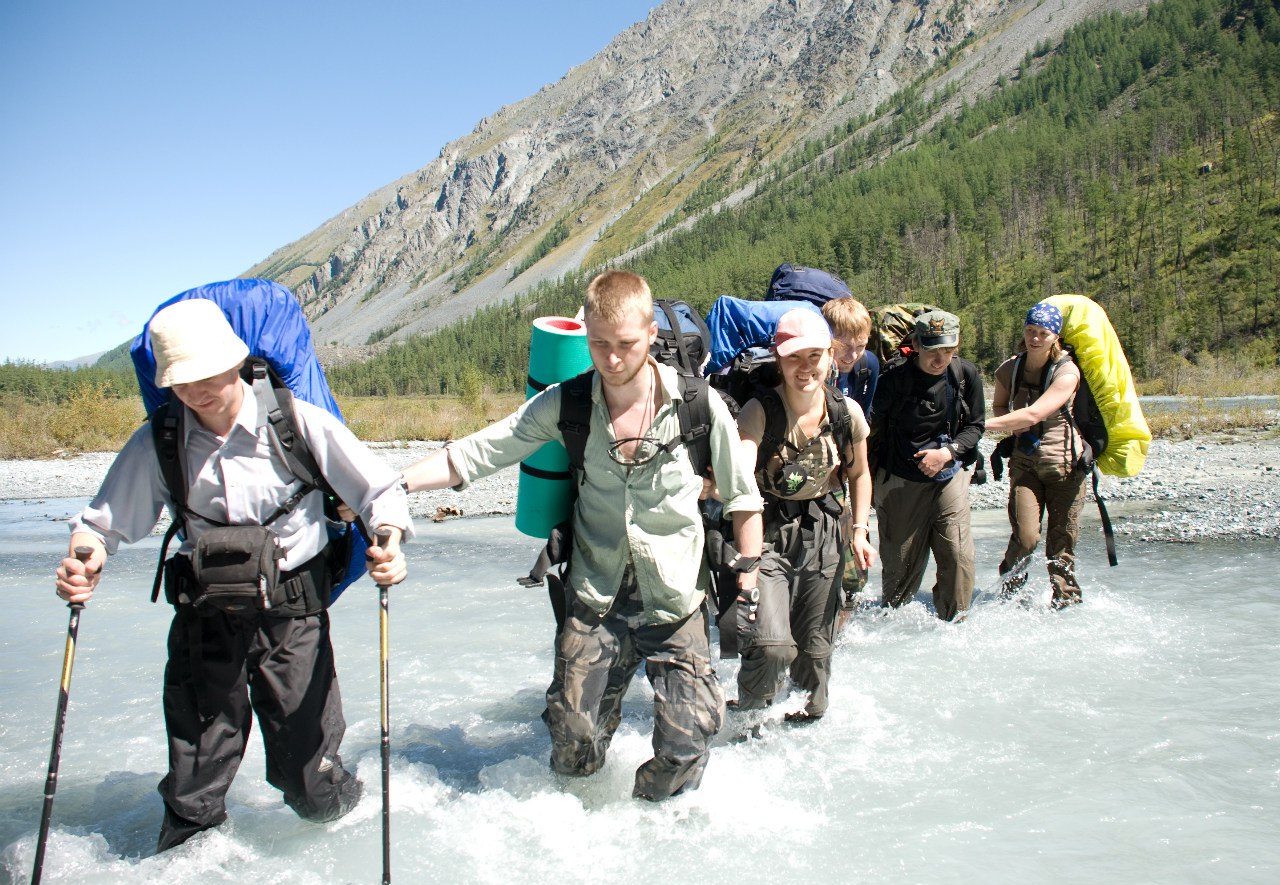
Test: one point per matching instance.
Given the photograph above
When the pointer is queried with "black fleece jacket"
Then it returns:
(914, 410)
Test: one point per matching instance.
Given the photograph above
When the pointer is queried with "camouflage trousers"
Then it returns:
(596, 658)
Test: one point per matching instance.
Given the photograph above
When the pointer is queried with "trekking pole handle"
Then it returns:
(83, 553)
(382, 537)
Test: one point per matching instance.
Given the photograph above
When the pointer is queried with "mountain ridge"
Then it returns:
(704, 94)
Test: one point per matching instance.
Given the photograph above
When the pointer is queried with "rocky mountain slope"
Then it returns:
(698, 100)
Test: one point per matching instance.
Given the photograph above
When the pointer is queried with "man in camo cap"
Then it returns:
(927, 418)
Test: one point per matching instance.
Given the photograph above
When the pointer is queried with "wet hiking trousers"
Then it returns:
(795, 619)
(221, 669)
(1032, 495)
(914, 519)
(596, 658)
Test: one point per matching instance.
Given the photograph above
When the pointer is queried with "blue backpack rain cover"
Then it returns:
(736, 324)
(270, 321)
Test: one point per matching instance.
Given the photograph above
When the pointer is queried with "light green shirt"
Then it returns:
(646, 515)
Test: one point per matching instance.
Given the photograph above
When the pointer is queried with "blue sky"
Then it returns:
(148, 147)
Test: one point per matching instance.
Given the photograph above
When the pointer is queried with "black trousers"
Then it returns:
(221, 669)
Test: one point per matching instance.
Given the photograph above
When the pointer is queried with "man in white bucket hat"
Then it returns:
(250, 582)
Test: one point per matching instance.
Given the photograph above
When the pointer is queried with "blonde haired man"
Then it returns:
(634, 591)
(858, 368)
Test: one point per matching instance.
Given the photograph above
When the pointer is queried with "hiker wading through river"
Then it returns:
(801, 435)
(636, 583)
(227, 654)
(1046, 468)
(925, 426)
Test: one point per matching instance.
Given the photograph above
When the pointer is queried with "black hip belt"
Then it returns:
(294, 593)
(780, 510)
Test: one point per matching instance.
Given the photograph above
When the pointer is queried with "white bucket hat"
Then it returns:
(192, 340)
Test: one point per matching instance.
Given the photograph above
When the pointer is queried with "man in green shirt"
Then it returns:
(636, 583)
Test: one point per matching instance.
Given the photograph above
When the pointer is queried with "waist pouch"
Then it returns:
(237, 570)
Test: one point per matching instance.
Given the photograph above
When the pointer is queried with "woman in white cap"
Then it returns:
(235, 647)
(1034, 393)
(806, 440)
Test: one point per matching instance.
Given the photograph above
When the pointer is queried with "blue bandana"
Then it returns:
(1046, 316)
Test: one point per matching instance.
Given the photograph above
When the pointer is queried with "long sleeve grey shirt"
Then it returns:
(241, 480)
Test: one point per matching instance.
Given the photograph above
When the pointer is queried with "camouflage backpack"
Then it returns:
(891, 325)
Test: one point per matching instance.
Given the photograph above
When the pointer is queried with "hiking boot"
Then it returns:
(800, 717)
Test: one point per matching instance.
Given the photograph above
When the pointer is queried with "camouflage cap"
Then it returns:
(937, 328)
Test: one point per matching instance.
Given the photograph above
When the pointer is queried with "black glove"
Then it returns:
(1003, 450)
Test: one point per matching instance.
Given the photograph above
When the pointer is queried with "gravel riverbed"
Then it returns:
(1188, 491)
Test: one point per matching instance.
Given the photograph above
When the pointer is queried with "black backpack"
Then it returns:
(752, 371)
(683, 340)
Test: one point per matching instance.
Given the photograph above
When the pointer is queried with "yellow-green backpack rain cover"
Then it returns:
(1097, 349)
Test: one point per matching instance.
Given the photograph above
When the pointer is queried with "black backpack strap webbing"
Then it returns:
(694, 410)
(841, 423)
(1108, 533)
(166, 433)
(775, 426)
(275, 401)
(164, 554)
(575, 419)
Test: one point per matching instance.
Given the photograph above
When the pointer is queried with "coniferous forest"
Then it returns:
(1136, 163)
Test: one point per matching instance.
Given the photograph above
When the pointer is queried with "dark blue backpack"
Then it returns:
(791, 282)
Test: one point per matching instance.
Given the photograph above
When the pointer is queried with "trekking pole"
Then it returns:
(59, 720)
(382, 536)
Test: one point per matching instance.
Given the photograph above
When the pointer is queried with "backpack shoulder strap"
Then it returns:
(166, 433)
(275, 401)
(775, 425)
(840, 420)
(575, 418)
(694, 410)
(1019, 372)
(958, 408)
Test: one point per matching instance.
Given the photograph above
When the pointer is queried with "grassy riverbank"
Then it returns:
(91, 420)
